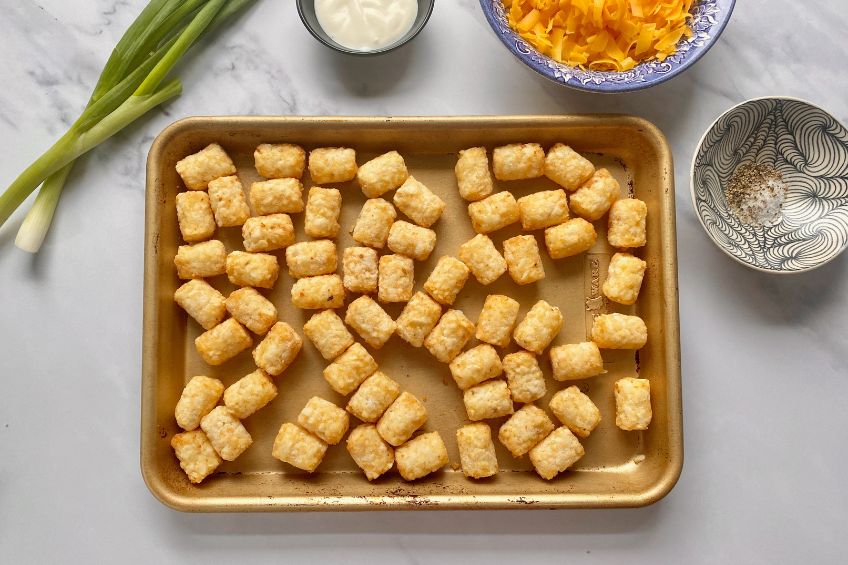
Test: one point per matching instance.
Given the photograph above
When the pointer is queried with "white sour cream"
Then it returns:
(366, 25)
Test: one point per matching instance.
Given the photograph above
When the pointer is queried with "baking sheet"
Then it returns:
(619, 468)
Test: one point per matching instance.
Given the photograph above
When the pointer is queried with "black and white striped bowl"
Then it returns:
(810, 148)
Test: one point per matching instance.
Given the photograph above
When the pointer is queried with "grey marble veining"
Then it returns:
(764, 358)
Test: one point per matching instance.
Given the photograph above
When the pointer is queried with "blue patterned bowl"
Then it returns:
(809, 147)
(709, 19)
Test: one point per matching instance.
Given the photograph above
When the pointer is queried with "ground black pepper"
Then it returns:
(755, 194)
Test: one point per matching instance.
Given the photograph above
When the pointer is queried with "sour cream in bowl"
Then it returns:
(364, 27)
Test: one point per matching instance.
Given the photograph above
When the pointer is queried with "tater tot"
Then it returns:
(349, 369)
(312, 258)
(202, 302)
(370, 321)
(524, 429)
(327, 332)
(412, 241)
(226, 196)
(250, 393)
(279, 160)
(573, 237)
(323, 207)
(419, 203)
(449, 336)
(476, 365)
(208, 164)
(487, 400)
(633, 404)
(421, 456)
(226, 433)
(494, 212)
(276, 196)
(369, 451)
(194, 215)
(446, 280)
(318, 293)
(576, 411)
(483, 259)
(251, 309)
(497, 319)
(576, 361)
(556, 453)
(252, 269)
(543, 209)
(396, 278)
(198, 398)
(400, 420)
(328, 165)
(360, 268)
(278, 350)
(200, 260)
(476, 451)
(624, 278)
(567, 168)
(267, 233)
(196, 455)
(374, 396)
(518, 161)
(539, 327)
(324, 419)
(418, 319)
(593, 199)
(298, 448)
(382, 174)
(525, 378)
(627, 223)
(223, 342)
(523, 261)
(472, 174)
(374, 222)
(619, 331)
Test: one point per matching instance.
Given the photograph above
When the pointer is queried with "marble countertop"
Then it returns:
(764, 357)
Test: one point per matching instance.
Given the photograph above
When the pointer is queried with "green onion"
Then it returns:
(130, 85)
(59, 160)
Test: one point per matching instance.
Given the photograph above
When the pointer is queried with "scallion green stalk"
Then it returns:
(186, 39)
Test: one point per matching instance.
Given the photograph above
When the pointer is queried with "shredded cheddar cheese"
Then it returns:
(604, 35)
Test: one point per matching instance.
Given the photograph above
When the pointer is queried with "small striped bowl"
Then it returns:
(810, 149)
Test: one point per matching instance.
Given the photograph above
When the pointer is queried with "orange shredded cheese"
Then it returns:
(604, 35)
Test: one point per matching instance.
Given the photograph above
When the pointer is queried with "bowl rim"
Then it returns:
(411, 34)
(610, 88)
(695, 200)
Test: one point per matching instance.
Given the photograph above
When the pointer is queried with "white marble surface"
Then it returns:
(765, 369)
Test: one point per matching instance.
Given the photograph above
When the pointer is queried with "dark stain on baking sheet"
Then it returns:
(416, 500)
(631, 188)
(411, 497)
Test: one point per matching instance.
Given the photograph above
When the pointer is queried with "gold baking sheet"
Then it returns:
(619, 469)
